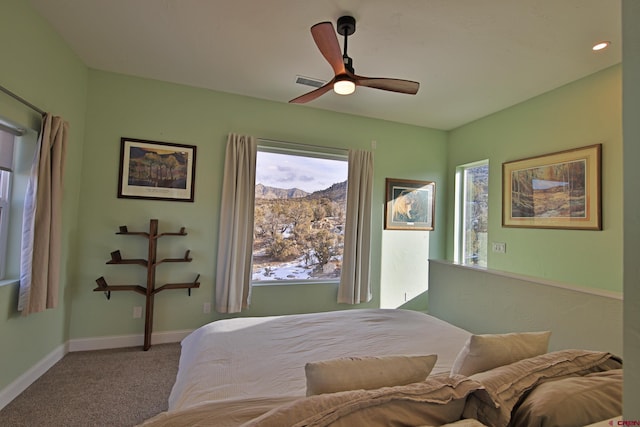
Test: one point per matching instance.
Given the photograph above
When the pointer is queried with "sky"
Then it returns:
(306, 173)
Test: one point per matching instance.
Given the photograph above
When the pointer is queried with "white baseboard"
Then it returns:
(119, 341)
(21, 383)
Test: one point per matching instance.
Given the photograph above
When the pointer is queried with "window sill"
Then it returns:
(294, 282)
(7, 282)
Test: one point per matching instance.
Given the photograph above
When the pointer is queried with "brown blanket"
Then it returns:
(223, 413)
(438, 400)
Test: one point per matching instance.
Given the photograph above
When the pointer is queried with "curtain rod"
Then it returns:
(21, 100)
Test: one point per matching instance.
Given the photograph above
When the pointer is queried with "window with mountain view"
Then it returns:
(300, 206)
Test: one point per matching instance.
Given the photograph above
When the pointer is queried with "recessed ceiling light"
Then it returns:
(601, 45)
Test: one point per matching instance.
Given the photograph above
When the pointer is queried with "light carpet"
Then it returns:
(118, 387)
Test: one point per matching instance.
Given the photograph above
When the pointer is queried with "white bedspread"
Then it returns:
(261, 357)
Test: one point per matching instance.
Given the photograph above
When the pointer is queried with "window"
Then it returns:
(6, 167)
(15, 169)
(300, 207)
(472, 213)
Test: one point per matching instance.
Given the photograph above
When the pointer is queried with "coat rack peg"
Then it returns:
(195, 285)
(115, 256)
(103, 286)
(102, 283)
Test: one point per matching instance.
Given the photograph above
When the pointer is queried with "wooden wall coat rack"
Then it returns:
(150, 290)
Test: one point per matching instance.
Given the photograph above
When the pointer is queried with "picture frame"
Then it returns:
(410, 204)
(156, 170)
(557, 190)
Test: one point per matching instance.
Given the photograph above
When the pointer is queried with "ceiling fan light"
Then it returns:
(344, 86)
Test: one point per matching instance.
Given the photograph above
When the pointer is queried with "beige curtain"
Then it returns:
(354, 282)
(42, 220)
(233, 273)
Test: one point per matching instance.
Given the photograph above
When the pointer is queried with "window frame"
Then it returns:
(303, 150)
(461, 210)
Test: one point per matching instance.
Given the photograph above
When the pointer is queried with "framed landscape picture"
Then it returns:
(156, 170)
(410, 204)
(558, 190)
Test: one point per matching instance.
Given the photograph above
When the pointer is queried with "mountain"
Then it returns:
(337, 192)
(264, 192)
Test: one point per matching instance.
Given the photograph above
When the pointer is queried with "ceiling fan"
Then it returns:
(345, 80)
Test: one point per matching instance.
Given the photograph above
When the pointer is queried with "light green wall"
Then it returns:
(40, 67)
(631, 130)
(122, 106)
(585, 112)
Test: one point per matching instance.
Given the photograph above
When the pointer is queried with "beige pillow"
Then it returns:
(368, 372)
(574, 401)
(483, 352)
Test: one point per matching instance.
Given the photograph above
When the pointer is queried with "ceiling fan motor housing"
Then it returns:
(346, 25)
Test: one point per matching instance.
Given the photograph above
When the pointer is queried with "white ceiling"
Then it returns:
(471, 57)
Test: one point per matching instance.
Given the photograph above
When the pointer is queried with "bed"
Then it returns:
(380, 367)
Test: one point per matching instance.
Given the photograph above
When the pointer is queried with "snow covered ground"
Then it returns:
(294, 270)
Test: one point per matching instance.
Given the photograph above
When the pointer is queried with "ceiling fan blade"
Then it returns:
(325, 37)
(310, 96)
(392, 85)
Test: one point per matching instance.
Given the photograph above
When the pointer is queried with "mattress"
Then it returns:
(262, 357)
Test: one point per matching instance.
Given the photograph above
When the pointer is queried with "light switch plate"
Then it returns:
(499, 247)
